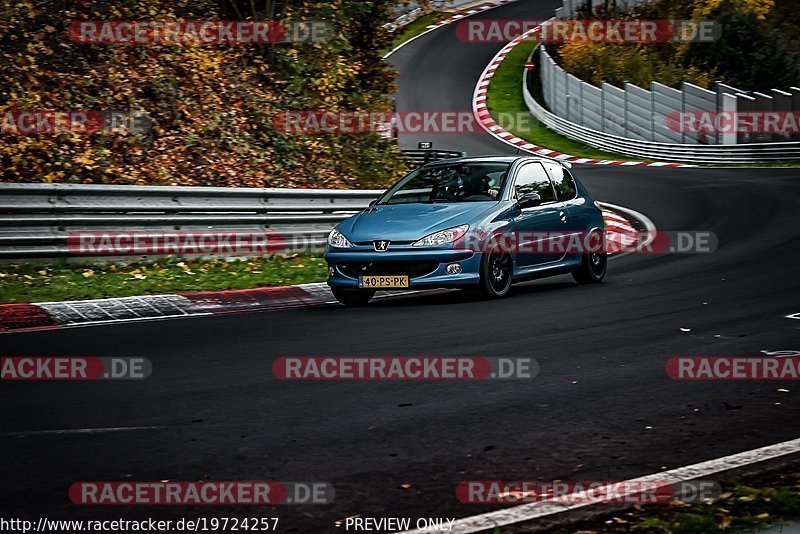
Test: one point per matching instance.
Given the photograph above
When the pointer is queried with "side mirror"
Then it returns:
(372, 203)
(529, 200)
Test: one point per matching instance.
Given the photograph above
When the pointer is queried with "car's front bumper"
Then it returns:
(426, 267)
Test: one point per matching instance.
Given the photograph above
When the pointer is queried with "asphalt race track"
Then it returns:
(601, 407)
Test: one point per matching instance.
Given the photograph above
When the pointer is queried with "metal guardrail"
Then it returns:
(417, 158)
(37, 219)
(719, 154)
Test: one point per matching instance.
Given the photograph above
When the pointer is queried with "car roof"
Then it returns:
(487, 159)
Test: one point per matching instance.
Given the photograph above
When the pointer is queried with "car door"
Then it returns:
(532, 225)
(567, 194)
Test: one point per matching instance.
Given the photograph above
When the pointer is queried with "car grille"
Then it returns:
(413, 269)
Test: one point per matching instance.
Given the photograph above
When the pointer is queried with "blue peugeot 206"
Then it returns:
(474, 222)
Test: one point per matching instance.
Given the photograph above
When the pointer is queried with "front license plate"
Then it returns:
(377, 282)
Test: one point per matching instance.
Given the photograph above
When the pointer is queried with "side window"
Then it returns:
(532, 178)
(563, 181)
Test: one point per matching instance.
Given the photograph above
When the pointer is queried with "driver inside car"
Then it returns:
(464, 184)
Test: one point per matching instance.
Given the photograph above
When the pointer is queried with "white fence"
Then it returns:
(619, 116)
(570, 8)
(643, 114)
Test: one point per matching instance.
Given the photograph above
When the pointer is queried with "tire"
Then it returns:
(497, 273)
(353, 297)
(593, 267)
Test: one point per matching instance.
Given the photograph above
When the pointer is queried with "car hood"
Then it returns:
(410, 222)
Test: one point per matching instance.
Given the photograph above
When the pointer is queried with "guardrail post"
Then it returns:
(652, 114)
(683, 110)
(763, 103)
(602, 111)
(795, 107)
(745, 103)
(782, 103)
(728, 106)
(625, 110)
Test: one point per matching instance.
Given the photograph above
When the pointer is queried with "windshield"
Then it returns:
(460, 182)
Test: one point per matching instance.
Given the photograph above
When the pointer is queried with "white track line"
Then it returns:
(409, 41)
(532, 511)
(446, 22)
(107, 323)
(25, 434)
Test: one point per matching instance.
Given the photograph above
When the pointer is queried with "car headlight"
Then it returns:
(337, 240)
(442, 236)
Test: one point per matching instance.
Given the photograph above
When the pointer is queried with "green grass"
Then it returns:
(416, 27)
(504, 95)
(742, 508)
(761, 502)
(54, 282)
